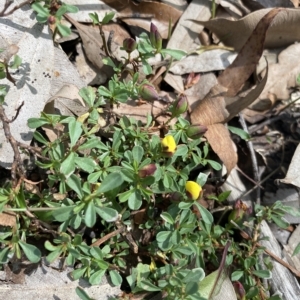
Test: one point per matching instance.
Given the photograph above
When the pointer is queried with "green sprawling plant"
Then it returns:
(122, 199)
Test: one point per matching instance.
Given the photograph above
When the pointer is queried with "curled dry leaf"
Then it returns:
(284, 30)
(217, 107)
(186, 32)
(283, 75)
(145, 12)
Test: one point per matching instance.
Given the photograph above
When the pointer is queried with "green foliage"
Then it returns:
(51, 13)
(121, 182)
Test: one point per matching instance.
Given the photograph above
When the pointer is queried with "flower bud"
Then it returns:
(238, 211)
(193, 190)
(168, 145)
(155, 37)
(148, 92)
(180, 106)
(239, 290)
(129, 45)
(147, 171)
(196, 131)
(51, 20)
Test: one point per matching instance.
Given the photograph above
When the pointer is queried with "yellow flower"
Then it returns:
(168, 145)
(193, 190)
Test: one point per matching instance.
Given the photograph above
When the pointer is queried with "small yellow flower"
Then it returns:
(193, 190)
(168, 145)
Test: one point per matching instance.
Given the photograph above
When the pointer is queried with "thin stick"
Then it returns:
(278, 259)
(108, 236)
(7, 5)
(253, 158)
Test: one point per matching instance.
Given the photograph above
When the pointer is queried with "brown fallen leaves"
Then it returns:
(219, 106)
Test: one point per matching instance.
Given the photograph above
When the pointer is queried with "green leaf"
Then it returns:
(181, 150)
(75, 130)
(110, 182)
(115, 277)
(76, 274)
(109, 62)
(205, 214)
(4, 255)
(88, 95)
(50, 247)
(87, 164)
(90, 214)
(195, 275)
(146, 67)
(51, 257)
(61, 11)
(40, 9)
(167, 217)
(177, 54)
(148, 286)
(266, 274)
(163, 235)
(106, 213)
(296, 250)
(240, 132)
(108, 17)
(236, 275)
(280, 221)
(72, 8)
(201, 179)
(32, 252)
(135, 200)
(137, 153)
(62, 214)
(36, 122)
(67, 167)
(95, 18)
(82, 294)
(37, 136)
(96, 277)
(16, 62)
(63, 29)
(223, 196)
(214, 164)
(75, 184)
(249, 262)
(103, 91)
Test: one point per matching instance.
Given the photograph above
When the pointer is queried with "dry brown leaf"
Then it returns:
(218, 108)
(268, 3)
(235, 107)
(245, 63)
(147, 11)
(8, 218)
(139, 111)
(92, 44)
(283, 75)
(186, 32)
(220, 141)
(212, 60)
(284, 30)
